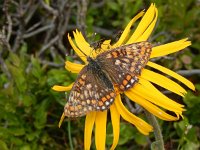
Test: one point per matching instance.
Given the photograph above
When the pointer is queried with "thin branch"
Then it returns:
(44, 28)
(104, 32)
(98, 30)
(81, 15)
(162, 33)
(33, 27)
(30, 12)
(48, 45)
(189, 72)
(65, 12)
(49, 8)
(4, 42)
(44, 62)
(21, 28)
(98, 4)
(9, 20)
(9, 27)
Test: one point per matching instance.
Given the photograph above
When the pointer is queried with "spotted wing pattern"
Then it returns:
(94, 88)
(124, 64)
(88, 93)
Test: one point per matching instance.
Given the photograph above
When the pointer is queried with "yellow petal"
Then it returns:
(126, 31)
(148, 31)
(105, 45)
(82, 44)
(146, 90)
(140, 124)
(165, 100)
(115, 118)
(89, 123)
(144, 23)
(61, 119)
(62, 88)
(169, 48)
(77, 50)
(73, 67)
(100, 130)
(81, 38)
(172, 74)
(163, 82)
(149, 106)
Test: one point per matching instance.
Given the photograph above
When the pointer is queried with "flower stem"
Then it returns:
(159, 143)
(69, 135)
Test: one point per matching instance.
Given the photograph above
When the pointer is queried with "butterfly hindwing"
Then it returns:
(89, 93)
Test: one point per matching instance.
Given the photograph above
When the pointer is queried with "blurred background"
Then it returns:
(34, 48)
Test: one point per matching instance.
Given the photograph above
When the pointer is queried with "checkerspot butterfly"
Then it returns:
(94, 90)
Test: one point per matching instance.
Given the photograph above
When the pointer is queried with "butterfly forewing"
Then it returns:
(89, 93)
(124, 64)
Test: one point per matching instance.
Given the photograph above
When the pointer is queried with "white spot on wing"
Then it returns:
(128, 86)
(111, 100)
(96, 96)
(89, 86)
(103, 107)
(132, 81)
(86, 93)
(90, 93)
(107, 103)
(117, 62)
(90, 108)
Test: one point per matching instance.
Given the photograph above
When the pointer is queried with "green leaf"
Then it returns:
(41, 115)
(28, 100)
(24, 48)
(114, 6)
(191, 146)
(190, 134)
(25, 147)
(3, 145)
(36, 68)
(16, 141)
(16, 131)
(61, 76)
(140, 138)
(126, 133)
(15, 60)
(18, 76)
(33, 135)
(181, 126)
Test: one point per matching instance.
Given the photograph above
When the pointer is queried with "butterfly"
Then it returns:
(94, 88)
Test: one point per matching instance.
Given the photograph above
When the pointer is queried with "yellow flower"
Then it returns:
(143, 93)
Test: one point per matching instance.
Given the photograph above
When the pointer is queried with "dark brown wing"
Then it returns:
(89, 93)
(124, 64)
